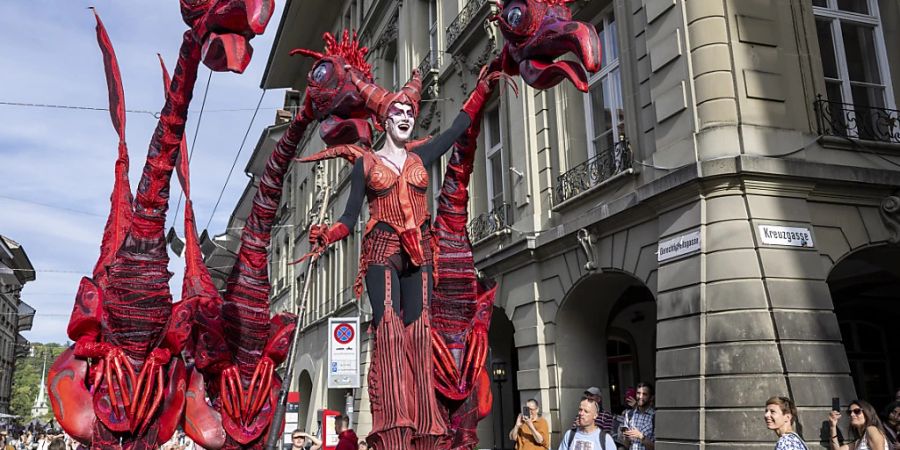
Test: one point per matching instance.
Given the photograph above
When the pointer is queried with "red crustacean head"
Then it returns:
(539, 31)
(225, 27)
(332, 95)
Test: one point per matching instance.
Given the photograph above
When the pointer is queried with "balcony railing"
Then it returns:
(428, 69)
(485, 225)
(462, 20)
(610, 162)
(858, 122)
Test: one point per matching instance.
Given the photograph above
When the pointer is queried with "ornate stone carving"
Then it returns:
(586, 239)
(890, 215)
(389, 34)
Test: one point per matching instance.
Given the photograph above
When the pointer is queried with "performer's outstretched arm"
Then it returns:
(322, 234)
(471, 111)
(357, 195)
(432, 150)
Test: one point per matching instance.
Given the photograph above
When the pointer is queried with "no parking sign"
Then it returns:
(343, 353)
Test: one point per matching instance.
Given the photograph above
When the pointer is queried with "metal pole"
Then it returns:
(273, 440)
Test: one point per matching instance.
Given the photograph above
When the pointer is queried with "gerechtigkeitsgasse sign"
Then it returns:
(678, 246)
(343, 352)
(789, 236)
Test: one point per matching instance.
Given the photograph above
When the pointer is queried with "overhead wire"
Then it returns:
(154, 114)
(193, 143)
(236, 156)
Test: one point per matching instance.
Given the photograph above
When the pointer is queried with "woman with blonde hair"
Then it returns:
(865, 428)
(781, 416)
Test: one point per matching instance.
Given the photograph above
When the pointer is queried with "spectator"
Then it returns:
(347, 439)
(531, 432)
(638, 422)
(587, 435)
(57, 444)
(892, 424)
(300, 440)
(363, 445)
(781, 414)
(865, 428)
(605, 419)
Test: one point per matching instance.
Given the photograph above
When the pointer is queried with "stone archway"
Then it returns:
(865, 289)
(606, 336)
(305, 387)
(507, 403)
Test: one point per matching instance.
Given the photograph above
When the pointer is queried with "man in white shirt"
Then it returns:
(587, 436)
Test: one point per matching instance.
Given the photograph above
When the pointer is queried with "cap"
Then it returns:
(593, 390)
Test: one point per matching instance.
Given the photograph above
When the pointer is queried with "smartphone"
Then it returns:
(526, 412)
(835, 404)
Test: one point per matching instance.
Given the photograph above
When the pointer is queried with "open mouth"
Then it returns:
(403, 127)
(557, 35)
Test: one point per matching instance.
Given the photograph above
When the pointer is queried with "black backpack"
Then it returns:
(570, 436)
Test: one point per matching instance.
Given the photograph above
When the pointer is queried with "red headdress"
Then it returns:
(348, 48)
(379, 100)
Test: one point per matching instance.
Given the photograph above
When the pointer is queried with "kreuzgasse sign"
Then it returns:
(789, 236)
(678, 246)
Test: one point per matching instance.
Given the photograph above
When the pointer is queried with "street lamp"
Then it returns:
(498, 374)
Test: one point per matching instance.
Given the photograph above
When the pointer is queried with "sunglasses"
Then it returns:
(855, 411)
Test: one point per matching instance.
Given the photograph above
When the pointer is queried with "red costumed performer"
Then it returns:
(397, 262)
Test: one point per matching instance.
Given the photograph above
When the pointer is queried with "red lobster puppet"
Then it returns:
(539, 31)
(236, 347)
(122, 384)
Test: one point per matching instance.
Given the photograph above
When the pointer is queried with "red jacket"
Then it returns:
(347, 440)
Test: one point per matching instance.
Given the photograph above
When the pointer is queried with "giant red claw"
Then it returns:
(537, 32)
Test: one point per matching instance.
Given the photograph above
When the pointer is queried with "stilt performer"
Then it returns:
(537, 32)
(122, 384)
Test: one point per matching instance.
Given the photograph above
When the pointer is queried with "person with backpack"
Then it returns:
(587, 435)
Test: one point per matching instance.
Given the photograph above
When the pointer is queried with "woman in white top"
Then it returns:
(865, 428)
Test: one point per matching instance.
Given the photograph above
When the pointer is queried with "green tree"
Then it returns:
(27, 378)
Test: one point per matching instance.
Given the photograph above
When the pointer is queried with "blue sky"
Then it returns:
(56, 165)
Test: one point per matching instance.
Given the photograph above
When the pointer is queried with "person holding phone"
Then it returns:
(531, 431)
(640, 420)
(865, 428)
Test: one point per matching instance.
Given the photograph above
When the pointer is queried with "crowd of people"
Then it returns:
(595, 428)
(50, 439)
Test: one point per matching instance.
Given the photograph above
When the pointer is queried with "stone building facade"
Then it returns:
(719, 215)
(15, 315)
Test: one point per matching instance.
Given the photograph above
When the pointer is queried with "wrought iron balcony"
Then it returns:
(608, 163)
(462, 20)
(485, 225)
(858, 122)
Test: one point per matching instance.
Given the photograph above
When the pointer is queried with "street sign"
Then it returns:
(786, 236)
(343, 353)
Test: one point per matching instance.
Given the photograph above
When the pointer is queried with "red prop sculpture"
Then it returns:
(539, 31)
(122, 384)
